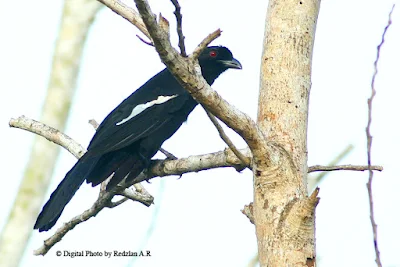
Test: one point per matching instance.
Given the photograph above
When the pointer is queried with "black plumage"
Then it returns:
(133, 132)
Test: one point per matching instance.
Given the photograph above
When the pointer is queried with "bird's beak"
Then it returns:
(231, 64)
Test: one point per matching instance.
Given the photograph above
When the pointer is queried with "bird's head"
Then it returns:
(214, 60)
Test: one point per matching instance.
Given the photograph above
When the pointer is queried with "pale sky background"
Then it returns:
(200, 223)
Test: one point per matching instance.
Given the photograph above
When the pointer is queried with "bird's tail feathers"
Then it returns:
(64, 192)
(131, 167)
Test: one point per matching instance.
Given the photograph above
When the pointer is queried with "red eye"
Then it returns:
(213, 54)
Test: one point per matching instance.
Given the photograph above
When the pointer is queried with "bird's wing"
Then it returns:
(129, 123)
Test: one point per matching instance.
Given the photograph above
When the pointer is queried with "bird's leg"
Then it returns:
(146, 163)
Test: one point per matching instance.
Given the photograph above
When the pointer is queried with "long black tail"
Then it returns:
(121, 163)
(64, 192)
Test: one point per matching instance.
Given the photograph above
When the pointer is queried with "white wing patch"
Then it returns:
(142, 107)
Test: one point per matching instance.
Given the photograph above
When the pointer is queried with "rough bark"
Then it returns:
(77, 18)
(283, 213)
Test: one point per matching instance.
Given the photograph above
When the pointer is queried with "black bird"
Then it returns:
(133, 132)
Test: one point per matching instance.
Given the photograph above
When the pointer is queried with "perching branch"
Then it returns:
(161, 168)
(369, 143)
(158, 168)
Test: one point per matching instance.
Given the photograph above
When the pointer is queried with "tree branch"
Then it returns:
(369, 143)
(103, 201)
(51, 134)
(158, 168)
(320, 168)
(227, 140)
(144, 41)
(181, 37)
(314, 181)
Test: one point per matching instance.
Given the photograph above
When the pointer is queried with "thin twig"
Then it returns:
(178, 16)
(150, 43)
(314, 181)
(168, 154)
(334, 162)
(369, 143)
(320, 168)
(227, 140)
(113, 204)
(94, 123)
(211, 37)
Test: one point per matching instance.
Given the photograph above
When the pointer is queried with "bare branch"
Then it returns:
(320, 168)
(49, 133)
(220, 159)
(227, 140)
(211, 37)
(101, 202)
(159, 168)
(145, 199)
(94, 123)
(334, 162)
(144, 41)
(178, 16)
(369, 143)
(104, 199)
(113, 204)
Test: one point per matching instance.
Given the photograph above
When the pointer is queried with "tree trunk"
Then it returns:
(283, 213)
(77, 18)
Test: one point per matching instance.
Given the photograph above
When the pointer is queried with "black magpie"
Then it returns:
(133, 132)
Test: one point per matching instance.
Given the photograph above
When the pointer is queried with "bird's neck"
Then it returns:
(211, 74)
